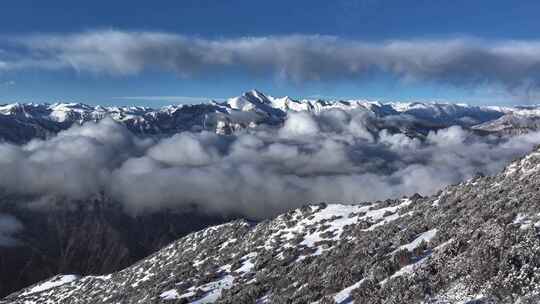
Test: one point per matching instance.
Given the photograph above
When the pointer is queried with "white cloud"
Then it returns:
(256, 174)
(299, 125)
(458, 61)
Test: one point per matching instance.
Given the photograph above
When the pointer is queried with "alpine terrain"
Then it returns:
(473, 242)
(21, 122)
(396, 160)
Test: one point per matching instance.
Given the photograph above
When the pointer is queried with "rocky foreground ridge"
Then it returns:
(475, 242)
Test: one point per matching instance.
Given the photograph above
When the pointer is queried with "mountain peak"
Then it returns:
(254, 92)
(256, 96)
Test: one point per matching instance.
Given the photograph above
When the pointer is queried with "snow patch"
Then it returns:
(212, 291)
(170, 295)
(425, 236)
(344, 296)
(51, 283)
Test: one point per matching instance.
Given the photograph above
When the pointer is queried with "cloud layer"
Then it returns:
(459, 61)
(330, 157)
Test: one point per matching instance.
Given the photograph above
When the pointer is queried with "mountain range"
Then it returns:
(21, 122)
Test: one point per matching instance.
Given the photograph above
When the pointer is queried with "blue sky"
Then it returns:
(367, 21)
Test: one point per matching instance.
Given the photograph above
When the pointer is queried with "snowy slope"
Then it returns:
(475, 242)
(512, 123)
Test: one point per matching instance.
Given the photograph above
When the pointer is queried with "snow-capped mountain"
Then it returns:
(474, 242)
(511, 123)
(22, 122)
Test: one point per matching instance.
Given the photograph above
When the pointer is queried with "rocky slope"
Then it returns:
(511, 123)
(475, 242)
(85, 237)
(21, 122)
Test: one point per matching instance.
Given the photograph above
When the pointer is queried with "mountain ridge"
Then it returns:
(21, 122)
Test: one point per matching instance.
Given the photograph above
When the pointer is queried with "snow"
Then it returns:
(340, 214)
(524, 167)
(286, 104)
(212, 290)
(197, 263)
(426, 236)
(264, 299)
(525, 221)
(324, 226)
(248, 265)
(169, 295)
(51, 283)
(10, 108)
(379, 214)
(239, 103)
(521, 219)
(227, 243)
(101, 277)
(473, 300)
(459, 294)
(409, 269)
(443, 245)
(344, 296)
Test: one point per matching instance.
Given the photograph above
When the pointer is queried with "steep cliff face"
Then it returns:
(475, 242)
